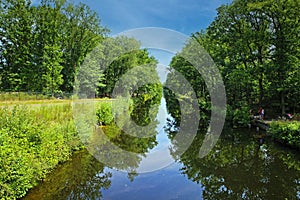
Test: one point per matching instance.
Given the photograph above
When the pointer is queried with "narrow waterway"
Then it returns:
(242, 165)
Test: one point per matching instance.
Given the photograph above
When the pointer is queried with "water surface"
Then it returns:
(240, 166)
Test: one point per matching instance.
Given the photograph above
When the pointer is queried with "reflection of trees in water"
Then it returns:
(123, 144)
(237, 167)
(81, 178)
(131, 143)
(124, 147)
(181, 108)
(182, 111)
(241, 169)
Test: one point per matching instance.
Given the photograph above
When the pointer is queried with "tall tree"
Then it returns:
(242, 35)
(118, 56)
(255, 45)
(48, 51)
(283, 16)
(81, 33)
(15, 43)
(42, 46)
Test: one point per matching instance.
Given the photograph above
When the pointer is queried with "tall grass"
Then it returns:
(32, 143)
(22, 96)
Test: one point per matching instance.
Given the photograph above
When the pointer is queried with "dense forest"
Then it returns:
(44, 45)
(255, 45)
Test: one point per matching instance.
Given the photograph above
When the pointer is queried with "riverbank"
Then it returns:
(36, 136)
(32, 143)
(34, 140)
(286, 132)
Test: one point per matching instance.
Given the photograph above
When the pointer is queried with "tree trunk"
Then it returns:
(261, 90)
(282, 103)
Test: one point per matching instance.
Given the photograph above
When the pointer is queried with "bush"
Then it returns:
(238, 117)
(32, 142)
(286, 132)
(104, 112)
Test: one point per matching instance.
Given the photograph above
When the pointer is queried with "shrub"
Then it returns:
(286, 132)
(104, 112)
(32, 142)
(238, 117)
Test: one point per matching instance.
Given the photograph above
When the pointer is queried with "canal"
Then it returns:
(242, 165)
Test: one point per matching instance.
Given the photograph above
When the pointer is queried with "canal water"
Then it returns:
(242, 165)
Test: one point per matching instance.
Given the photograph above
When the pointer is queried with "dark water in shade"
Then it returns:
(240, 166)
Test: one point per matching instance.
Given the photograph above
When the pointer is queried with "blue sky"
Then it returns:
(185, 16)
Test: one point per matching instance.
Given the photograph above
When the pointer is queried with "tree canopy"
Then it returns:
(255, 45)
(43, 46)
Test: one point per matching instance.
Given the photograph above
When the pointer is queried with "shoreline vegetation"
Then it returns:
(286, 133)
(36, 136)
(34, 141)
(55, 48)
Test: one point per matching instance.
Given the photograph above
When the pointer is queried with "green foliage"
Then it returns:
(89, 76)
(32, 143)
(104, 113)
(117, 62)
(256, 47)
(125, 138)
(119, 56)
(52, 79)
(238, 117)
(81, 33)
(286, 132)
(148, 97)
(180, 64)
(16, 43)
(43, 45)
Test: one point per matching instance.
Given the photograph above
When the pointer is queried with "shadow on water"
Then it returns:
(242, 167)
(80, 178)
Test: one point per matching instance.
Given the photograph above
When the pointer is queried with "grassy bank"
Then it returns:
(32, 143)
(286, 132)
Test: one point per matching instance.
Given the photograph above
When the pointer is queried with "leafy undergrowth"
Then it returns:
(286, 132)
(32, 143)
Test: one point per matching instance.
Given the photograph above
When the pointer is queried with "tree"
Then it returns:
(16, 43)
(241, 34)
(255, 45)
(284, 22)
(47, 50)
(81, 33)
(117, 57)
(42, 46)
(89, 76)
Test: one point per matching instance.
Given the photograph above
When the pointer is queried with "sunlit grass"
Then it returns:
(49, 101)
